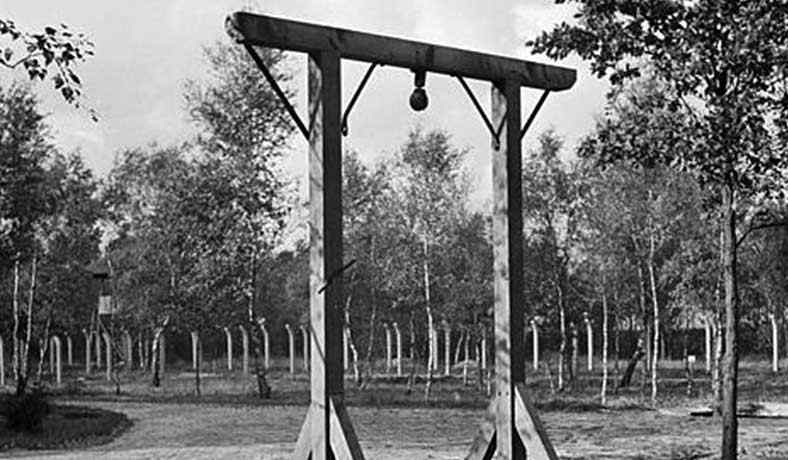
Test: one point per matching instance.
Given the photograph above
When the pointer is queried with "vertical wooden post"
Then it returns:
(447, 348)
(398, 337)
(194, 337)
(305, 338)
(70, 348)
(245, 347)
(388, 347)
(345, 349)
(108, 349)
(88, 344)
(266, 344)
(154, 353)
(57, 349)
(98, 348)
(484, 349)
(142, 350)
(129, 349)
(435, 351)
(52, 355)
(466, 357)
(775, 344)
(573, 335)
(162, 354)
(327, 432)
(515, 428)
(2, 363)
(589, 343)
(229, 339)
(507, 236)
(535, 344)
(707, 331)
(291, 347)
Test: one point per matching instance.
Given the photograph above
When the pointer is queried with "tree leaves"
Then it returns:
(722, 53)
(53, 53)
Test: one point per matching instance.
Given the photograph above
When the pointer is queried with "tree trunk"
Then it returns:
(15, 334)
(639, 353)
(719, 344)
(156, 354)
(459, 345)
(154, 360)
(479, 368)
(604, 345)
(646, 322)
(145, 352)
(573, 365)
(655, 321)
(562, 349)
(21, 385)
(783, 321)
(616, 343)
(716, 377)
(685, 355)
(412, 337)
(42, 349)
(412, 375)
(430, 324)
(731, 360)
(369, 358)
(351, 341)
(263, 388)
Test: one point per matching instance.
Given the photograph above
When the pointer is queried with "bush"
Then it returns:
(26, 412)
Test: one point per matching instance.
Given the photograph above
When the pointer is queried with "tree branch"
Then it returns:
(752, 228)
(20, 61)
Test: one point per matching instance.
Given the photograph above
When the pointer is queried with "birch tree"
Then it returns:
(728, 57)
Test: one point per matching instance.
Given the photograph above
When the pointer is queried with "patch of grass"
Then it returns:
(222, 387)
(26, 412)
(67, 427)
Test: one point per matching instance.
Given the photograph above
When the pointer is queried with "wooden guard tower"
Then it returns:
(513, 428)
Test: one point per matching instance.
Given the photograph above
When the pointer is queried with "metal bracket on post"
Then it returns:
(514, 431)
(496, 133)
(330, 278)
(327, 432)
(279, 93)
(536, 109)
(355, 97)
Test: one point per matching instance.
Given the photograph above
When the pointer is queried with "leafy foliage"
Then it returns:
(53, 54)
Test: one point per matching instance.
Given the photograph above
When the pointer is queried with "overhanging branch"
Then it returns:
(752, 228)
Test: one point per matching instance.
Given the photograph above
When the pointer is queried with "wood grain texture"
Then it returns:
(259, 30)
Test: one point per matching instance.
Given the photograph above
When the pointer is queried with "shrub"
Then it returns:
(26, 412)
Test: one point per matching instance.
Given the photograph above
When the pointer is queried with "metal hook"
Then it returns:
(355, 97)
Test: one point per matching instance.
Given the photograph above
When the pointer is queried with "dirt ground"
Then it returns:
(229, 421)
(191, 431)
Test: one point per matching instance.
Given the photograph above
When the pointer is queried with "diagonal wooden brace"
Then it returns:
(342, 439)
(327, 432)
(528, 429)
(514, 431)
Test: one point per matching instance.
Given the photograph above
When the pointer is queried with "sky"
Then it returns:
(145, 49)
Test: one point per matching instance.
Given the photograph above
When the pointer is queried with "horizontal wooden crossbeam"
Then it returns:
(259, 30)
